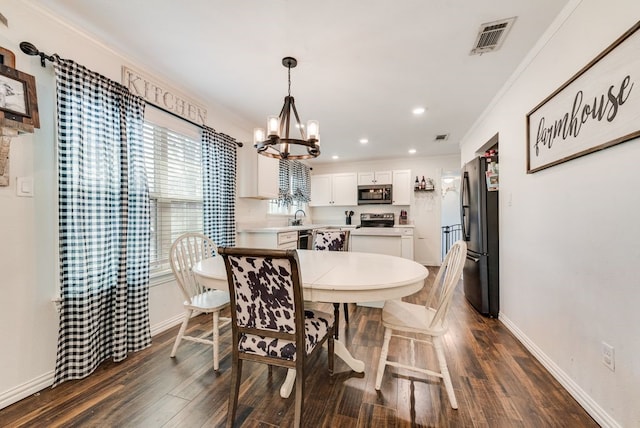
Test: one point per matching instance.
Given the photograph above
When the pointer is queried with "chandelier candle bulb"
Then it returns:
(258, 135)
(272, 126)
(312, 129)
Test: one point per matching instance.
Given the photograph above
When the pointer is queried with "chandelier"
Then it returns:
(278, 141)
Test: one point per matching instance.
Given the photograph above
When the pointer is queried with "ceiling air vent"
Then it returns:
(442, 137)
(491, 36)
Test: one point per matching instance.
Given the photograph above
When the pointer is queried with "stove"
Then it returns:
(377, 220)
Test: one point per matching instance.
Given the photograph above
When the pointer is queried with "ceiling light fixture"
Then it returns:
(363, 141)
(334, 157)
(277, 142)
(412, 151)
(419, 110)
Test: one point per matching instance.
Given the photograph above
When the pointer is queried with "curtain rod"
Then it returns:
(30, 49)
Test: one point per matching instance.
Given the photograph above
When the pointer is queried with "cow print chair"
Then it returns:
(333, 240)
(269, 322)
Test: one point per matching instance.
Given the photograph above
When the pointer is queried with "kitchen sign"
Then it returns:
(597, 108)
(160, 95)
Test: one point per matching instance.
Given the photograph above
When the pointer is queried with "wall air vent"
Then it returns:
(491, 36)
(442, 137)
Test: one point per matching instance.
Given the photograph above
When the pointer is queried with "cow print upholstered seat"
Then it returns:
(269, 321)
(333, 240)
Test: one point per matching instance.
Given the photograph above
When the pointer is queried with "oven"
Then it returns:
(304, 239)
(377, 219)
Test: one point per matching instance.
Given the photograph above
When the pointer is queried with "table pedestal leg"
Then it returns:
(340, 351)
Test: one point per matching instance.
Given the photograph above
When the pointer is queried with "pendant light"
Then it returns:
(278, 140)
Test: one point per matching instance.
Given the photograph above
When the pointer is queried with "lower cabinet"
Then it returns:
(280, 240)
(390, 245)
(393, 245)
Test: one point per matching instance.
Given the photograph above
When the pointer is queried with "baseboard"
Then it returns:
(588, 403)
(45, 380)
(26, 389)
(166, 324)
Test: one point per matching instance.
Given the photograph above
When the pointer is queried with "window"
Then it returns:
(174, 173)
(295, 188)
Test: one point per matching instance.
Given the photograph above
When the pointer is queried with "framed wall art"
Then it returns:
(7, 58)
(18, 98)
(597, 108)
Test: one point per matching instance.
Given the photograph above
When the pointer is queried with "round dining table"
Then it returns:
(337, 277)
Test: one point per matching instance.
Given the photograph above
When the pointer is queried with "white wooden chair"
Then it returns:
(333, 240)
(428, 321)
(185, 252)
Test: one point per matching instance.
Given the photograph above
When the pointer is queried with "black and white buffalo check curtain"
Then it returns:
(219, 157)
(104, 222)
(294, 182)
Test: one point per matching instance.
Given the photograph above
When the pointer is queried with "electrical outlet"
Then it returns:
(608, 356)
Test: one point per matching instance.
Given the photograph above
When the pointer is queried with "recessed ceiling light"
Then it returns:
(412, 151)
(363, 141)
(419, 110)
(334, 157)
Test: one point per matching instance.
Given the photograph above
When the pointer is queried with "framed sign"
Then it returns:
(597, 108)
(18, 99)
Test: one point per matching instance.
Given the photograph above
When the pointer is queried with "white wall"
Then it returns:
(28, 226)
(569, 234)
(425, 208)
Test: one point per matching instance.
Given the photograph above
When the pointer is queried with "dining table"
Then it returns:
(337, 277)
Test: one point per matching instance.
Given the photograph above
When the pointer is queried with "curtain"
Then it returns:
(103, 222)
(219, 157)
(294, 182)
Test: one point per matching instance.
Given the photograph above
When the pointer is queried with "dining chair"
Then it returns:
(428, 322)
(186, 251)
(269, 322)
(333, 240)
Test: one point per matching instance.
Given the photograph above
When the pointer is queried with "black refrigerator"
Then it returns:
(479, 215)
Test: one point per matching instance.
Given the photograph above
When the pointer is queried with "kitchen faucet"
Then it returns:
(295, 221)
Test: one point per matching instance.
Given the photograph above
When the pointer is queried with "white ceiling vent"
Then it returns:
(491, 35)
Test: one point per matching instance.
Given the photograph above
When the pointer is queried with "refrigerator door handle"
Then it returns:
(473, 259)
(464, 197)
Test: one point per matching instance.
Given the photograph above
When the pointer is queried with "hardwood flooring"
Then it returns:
(497, 382)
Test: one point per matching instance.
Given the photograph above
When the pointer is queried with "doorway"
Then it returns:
(450, 209)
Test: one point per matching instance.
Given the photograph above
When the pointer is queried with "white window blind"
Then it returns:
(174, 174)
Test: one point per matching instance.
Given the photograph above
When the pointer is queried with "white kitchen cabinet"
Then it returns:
(406, 247)
(283, 240)
(334, 190)
(258, 176)
(376, 177)
(401, 187)
(389, 245)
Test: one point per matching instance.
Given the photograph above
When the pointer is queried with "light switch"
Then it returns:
(24, 186)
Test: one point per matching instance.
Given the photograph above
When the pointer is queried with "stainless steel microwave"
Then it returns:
(374, 194)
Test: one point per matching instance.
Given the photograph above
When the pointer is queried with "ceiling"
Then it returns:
(363, 65)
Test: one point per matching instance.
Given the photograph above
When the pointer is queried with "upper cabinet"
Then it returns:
(377, 177)
(334, 190)
(259, 176)
(401, 187)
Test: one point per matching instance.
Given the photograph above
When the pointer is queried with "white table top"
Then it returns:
(335, 276)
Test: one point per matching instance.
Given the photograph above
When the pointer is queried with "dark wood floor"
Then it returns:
(497, 383)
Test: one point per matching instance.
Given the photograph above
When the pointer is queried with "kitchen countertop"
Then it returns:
(276, 229)
(354, 228)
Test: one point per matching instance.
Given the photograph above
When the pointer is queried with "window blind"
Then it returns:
(174, 172)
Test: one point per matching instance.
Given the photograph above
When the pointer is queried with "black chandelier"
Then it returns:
(277, 142)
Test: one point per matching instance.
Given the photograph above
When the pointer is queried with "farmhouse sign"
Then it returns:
(597, 108)
(162, 96)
